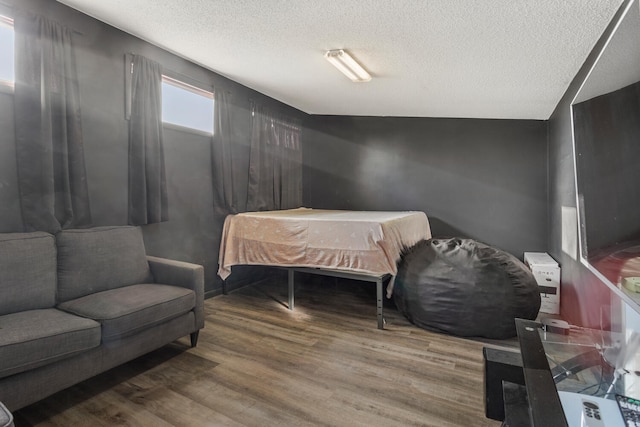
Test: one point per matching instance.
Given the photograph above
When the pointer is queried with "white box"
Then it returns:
(538, 258)
(546, 271)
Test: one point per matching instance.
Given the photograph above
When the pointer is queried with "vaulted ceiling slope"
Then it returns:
(508, 59)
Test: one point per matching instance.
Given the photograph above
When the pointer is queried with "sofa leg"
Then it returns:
(194, 338)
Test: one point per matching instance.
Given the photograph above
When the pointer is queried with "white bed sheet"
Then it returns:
(369, 242)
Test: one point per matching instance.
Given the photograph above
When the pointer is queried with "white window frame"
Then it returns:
(193, 89)
(7, 85)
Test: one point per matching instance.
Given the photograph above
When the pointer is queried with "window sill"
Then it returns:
(6, 88)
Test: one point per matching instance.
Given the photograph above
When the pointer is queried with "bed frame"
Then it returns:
(377, 279)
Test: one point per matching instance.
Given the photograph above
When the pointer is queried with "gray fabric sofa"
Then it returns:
(6, 419)
(83, 301)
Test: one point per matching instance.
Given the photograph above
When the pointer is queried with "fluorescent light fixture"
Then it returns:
(347, 65)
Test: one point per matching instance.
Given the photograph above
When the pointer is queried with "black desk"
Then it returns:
(544, 402)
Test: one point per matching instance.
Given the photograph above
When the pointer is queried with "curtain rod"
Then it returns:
(270, 102)
(208, 86)
(275, 107)
(13, 7)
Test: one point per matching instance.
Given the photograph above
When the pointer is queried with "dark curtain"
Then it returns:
(221, 156)
(52, 177)
(275, 162)
(148, 202)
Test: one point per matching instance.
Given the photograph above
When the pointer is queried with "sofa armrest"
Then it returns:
(6, 419)
(184, 274)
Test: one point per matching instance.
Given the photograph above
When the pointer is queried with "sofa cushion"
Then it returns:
(38, 337)
(126, 311)
(27, 271)
(98, 259)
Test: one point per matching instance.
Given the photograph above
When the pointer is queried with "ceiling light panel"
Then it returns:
(347, 65)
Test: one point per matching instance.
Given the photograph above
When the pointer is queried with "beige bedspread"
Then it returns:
(359, 241)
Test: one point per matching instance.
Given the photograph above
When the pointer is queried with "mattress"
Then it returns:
(369, 242)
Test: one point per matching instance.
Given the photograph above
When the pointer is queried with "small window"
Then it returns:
(7, 75)
(187, 106)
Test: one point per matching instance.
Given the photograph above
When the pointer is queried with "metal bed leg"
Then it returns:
(291, 288)
(379, 303)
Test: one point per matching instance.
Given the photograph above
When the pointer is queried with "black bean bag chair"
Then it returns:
(465, 288)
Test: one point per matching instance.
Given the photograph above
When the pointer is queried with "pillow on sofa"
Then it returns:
(98, 259)
(27, 271)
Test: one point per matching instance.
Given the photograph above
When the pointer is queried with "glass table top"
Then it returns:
(566, 374)
(594, 362)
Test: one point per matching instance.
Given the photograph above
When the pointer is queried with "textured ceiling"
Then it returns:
(428, 58)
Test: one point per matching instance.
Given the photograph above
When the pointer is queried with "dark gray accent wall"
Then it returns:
(585, 300)
(483, 179)
(10, 216)
(193, 232)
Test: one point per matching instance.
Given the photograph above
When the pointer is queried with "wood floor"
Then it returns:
(258, 364)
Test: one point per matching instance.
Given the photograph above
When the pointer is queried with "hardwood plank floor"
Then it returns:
(258, 364)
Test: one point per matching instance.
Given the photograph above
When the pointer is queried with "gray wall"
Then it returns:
(193, 232)
(10, 217)
(484, 179)
(584, 298)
